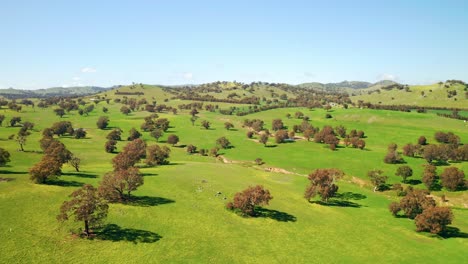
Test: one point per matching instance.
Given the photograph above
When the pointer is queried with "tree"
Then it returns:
(299, 115)
(341, 131)
(228, 125)
(156, 155)
(434, 219)
(191, 149)
(394, 208)
(14, 120)
(48, 167)
(157, 133)
(322, 183)
(4, 157)
(378, 179)
(115, 134)
(422, 140)
(118, 185)
(75, 163)
(248, 199)
(79, 133)
(404, 172)
(130, 155)
(133, 134)
(125, 110)
(2, 117)
(205, 124)
(453, 178)
(250, 134)
(223, 142)
(308, 133)
(172, 139)
(110, 146)
(87, 206)
(429, 177)
(281, 135)
(214, 152)
(277, 124)
(63, 127)
(60, 112)
(392, 156)
(57, 150)
(102, 122)
(193, 119)
(22, 135)
(415, 202)
(263, 139)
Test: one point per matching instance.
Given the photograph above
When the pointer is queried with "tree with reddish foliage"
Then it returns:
(453, 179)
(308, 133)
(115, 134)
(408, 150)
(394, 208)
(281, 136)
(248, 199)
(133, 134)
(415, 202)
(434, 220)
(392, 156)
(341, 131)
(277, 124)
(429, 177)
(4, 157)
(131, 154)
(250, 134)
(58, 151)
(228, 125)
(223, 142)
(422, 140)
(404, 172)
(331, 140)
(205, 124)
(110, 146)
(87, 206)
(48, 167)
(191, 149)
(263, 139)
(102, 122)
(118, 185)
(322, 183)
(172, 139)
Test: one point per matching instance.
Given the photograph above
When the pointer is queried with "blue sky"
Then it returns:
(67, 43)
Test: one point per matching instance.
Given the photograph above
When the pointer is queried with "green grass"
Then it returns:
(191, 225)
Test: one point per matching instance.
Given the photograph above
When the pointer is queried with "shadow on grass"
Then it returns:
(271, 146)
(148, 174)
(64, 183)
(275, 215)
(80, 174)
(338, 203)
(115, 233)
(453, 232)
(350, 196)
(413, 182)
(147, 201)
(13, 172)
(6, 179)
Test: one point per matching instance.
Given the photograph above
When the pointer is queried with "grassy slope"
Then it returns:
(438, 96)
(196, 227)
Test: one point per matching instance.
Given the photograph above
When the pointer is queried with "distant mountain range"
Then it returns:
(54, 91)
(345, 86)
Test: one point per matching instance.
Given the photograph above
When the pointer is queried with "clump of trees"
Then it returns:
(378, 179)
(4, 157)
(418, 205)
(453, 179)
(157, 155)
(246, 201)
(323, 184)
(392, 156)
(86, 206)
(131, 154)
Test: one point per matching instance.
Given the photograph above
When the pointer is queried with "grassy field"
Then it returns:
(420, 95)
(178, 217)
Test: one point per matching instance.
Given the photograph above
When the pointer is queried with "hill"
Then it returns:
(48, 92)
(451, 94)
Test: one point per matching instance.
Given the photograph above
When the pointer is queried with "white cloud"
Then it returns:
(88, 70)
(187, 75)
(76, 78)
(387, 76)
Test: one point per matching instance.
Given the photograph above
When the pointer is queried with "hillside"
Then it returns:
(54, 91)
(346, 86)
(448, 94)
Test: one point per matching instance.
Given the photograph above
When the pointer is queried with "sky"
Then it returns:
(104, 43)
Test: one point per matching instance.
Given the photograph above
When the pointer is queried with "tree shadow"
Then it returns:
(80, 174)
(413, 182)
(115, 233)
(271, 146)
(13, 172)
(146, 174)
(147, 201)
(275, 215)
(453, 232)
(350, 196)
(338, 203)
(63, 183)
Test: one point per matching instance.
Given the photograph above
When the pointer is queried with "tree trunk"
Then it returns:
(86, 227)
